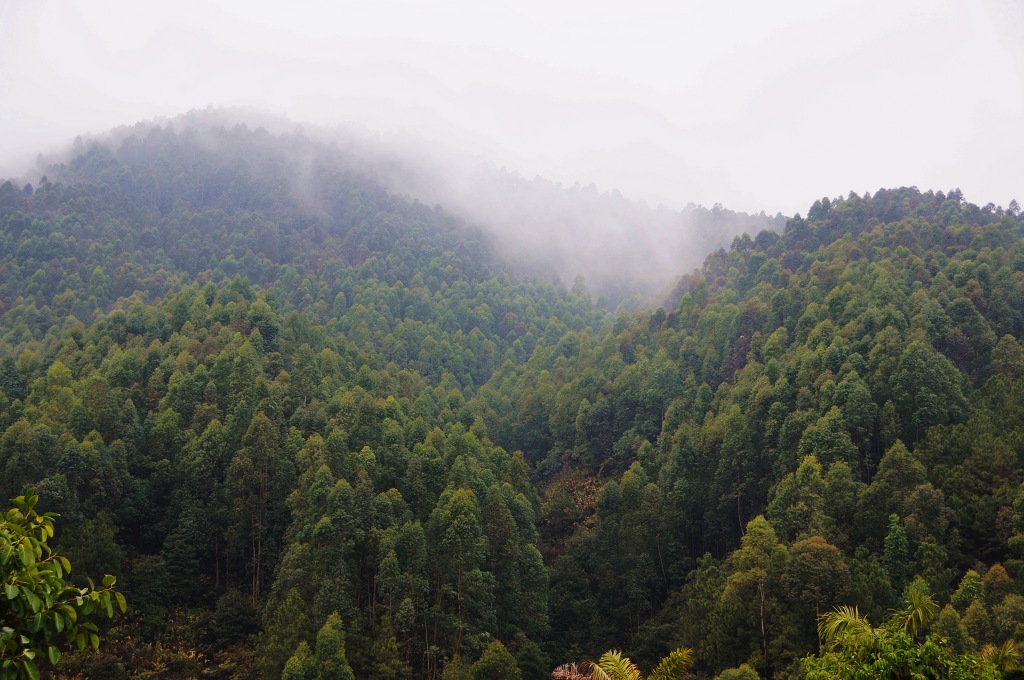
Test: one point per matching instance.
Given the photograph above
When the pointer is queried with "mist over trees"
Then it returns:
(319, 428)
(620, 249)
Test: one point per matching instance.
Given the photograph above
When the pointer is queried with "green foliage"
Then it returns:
(457, 669)
(970, 590)
(38, 604)
(301, 665)
(496, 663)
(614, 666)
(532, 662)
(854, 649)
(260, 411)
(896, 554)
(329, 657)
(674, 666)
(743, 672)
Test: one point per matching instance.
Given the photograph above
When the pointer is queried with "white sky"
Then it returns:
(757, 105)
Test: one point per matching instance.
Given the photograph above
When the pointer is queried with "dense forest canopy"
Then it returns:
(319, 429)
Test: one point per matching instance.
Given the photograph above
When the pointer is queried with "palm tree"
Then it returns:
(614, 666)
(852, 647)
(1006, 658)
(845, 626)
(674, 665)
(919, 612)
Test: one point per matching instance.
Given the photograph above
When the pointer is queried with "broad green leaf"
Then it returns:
(33, 601)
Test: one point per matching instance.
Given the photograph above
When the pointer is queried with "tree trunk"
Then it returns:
(458, 639)
(764, 632)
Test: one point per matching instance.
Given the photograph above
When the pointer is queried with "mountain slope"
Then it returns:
(290, 408)
(826, 378)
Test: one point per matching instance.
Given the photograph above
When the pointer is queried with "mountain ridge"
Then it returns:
(622, 248)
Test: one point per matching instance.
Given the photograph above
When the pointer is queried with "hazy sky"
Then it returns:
(757, 105)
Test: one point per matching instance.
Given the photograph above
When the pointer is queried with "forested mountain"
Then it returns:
(319, 429)
(287, 180)
(824, 419)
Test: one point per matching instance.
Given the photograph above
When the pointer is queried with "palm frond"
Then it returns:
(920, 611)
(1005, 657)
(844, 626)
(673, 666)
(596, 672)
(614, 666)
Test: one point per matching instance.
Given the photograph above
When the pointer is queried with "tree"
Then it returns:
(39, 604)
(828, 440)
(1007, 358)
(286, 627)
(614, 666)
(457, 669)
(798, 503)
(301, 665)
(327, 662)
(896, 556)
(496, 664)
(385, 662)
(757, 564)
(816, 573)
(971, 589)
(674, 666)
(532, 662)
(307, 374)
(257, 479)
(853, 648)
(461, 538)
(330, 658)
(743, 672)
(927, 390)
(1007, 658)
